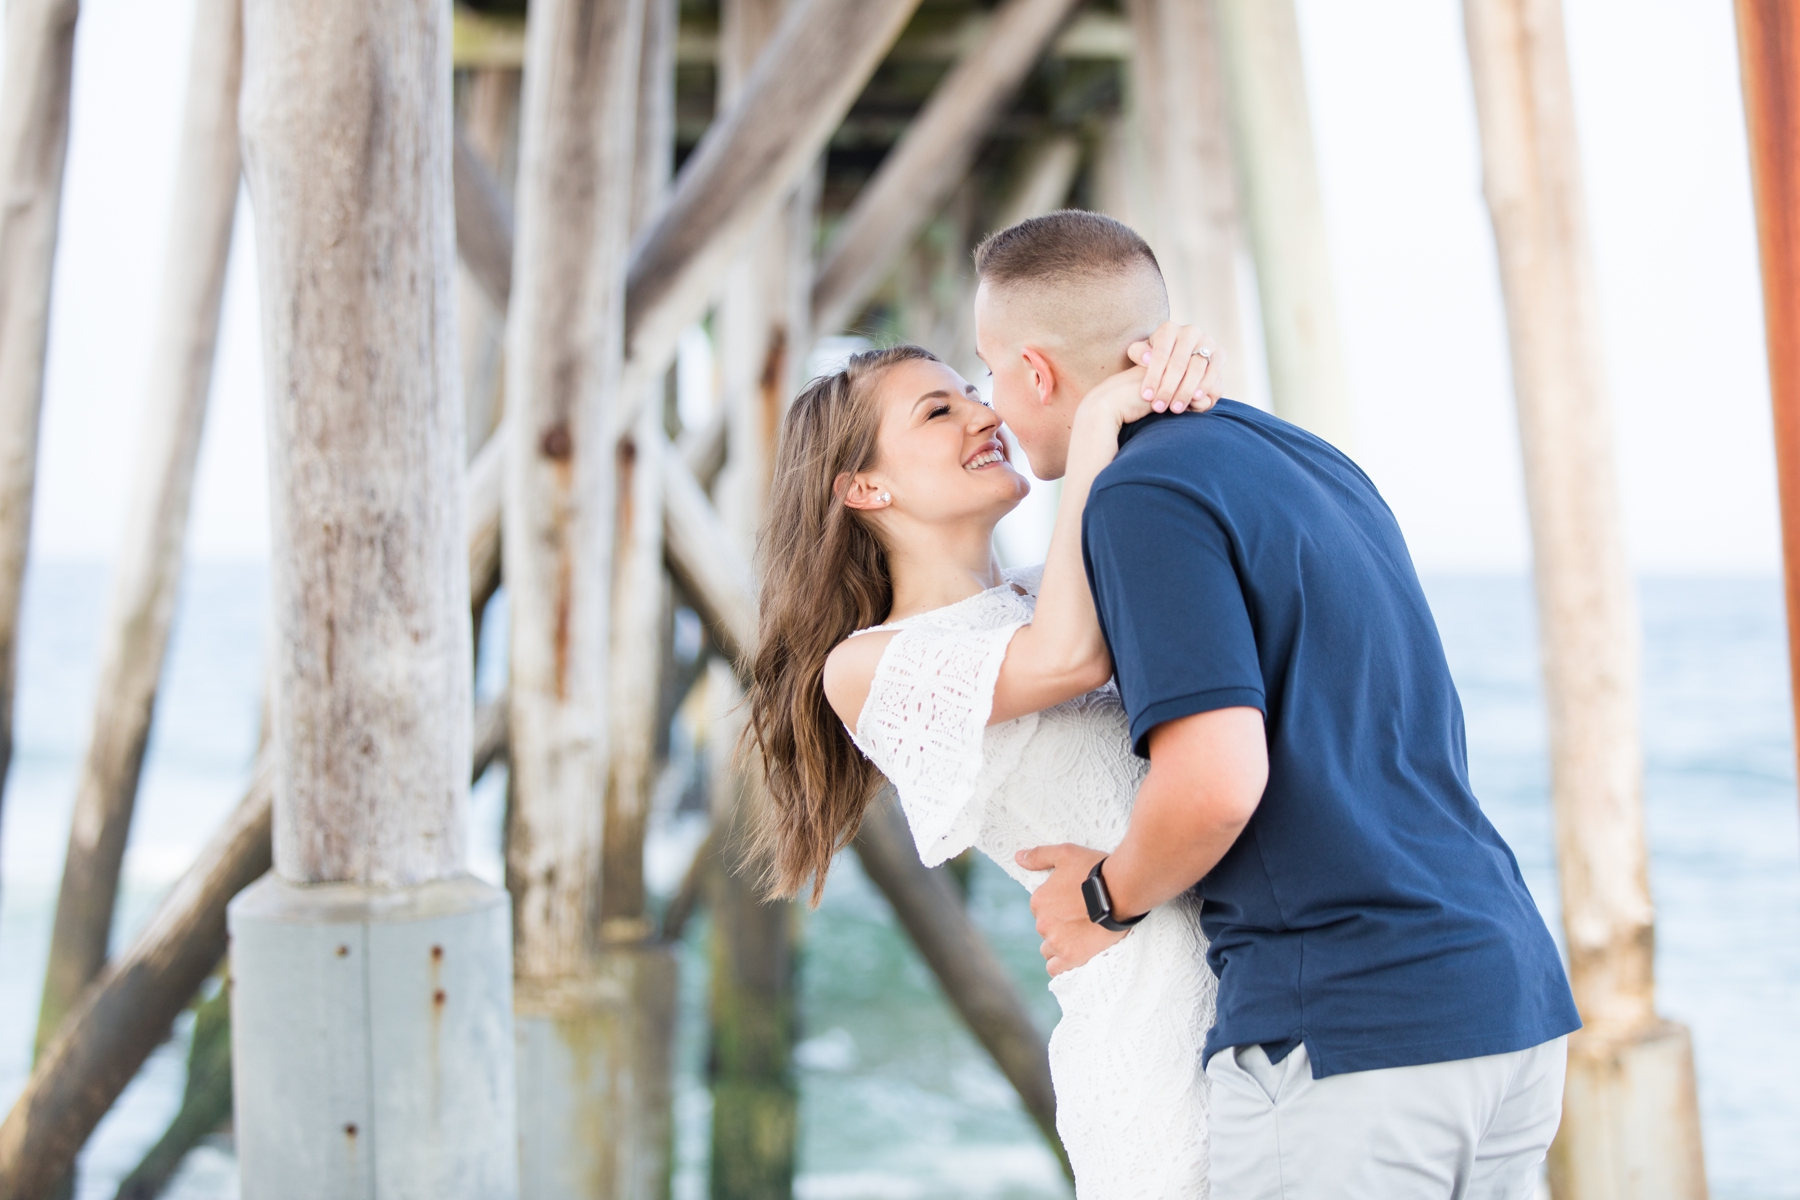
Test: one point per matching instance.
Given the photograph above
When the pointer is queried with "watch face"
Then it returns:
(1099, 906)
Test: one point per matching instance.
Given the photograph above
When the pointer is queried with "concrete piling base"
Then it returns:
(595, 1061)
(1631, 1118)
(372, 1041)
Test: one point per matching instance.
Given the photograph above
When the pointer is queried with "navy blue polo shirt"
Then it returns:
(1368, 909)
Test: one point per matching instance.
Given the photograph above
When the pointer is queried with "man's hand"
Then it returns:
(1070, 938)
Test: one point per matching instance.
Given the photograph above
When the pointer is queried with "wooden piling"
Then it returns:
(490, 125)
(1630, 1118)
(1179, 94)
(126, 1013)
(1285, 213)
(34, 139)
(369, 935)
(1769, 61)
(147, 574)
(762, 323)
(576, 1005)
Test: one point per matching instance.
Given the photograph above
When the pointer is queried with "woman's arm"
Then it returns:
(1062, 653)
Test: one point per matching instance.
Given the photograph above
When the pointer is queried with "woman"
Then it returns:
(891, 642)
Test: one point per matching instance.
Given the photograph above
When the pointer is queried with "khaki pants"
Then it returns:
(1472, 1129)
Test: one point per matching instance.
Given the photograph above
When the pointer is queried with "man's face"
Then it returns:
(1036, 421)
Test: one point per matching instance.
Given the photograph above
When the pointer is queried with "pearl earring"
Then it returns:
(886, 499)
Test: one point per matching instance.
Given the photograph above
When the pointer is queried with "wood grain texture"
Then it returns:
(1587, 618)
(1179, 94)
(931, 158)
(1769, 61)
(34, 138)
(347, 151)
(485, 164)
(641, 598)
(565, 350)
(1285, 212)
(147, 572)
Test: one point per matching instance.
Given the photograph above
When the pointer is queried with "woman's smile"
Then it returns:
(991, 452)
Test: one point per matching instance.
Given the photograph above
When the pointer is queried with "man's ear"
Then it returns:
(1043, 374)
(861, 491)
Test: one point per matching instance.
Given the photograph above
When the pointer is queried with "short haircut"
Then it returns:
(1061, 247)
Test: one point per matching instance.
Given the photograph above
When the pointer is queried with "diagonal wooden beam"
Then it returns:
(805, 80)
(919, 173)
(484, 223)
(127, 1011)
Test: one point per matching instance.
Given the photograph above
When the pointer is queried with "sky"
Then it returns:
(1662, 136)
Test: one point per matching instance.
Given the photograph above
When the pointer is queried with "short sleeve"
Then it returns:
(1171, 604)
(925, 726)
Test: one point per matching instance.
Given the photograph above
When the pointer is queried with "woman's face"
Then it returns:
(939, 454)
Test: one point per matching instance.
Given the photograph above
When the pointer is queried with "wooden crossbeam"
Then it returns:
(931, 158)
(812, 70)
(489, 40)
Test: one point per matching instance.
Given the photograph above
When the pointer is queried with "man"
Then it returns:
(1392, 1012)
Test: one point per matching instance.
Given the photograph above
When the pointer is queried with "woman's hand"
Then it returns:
(1180, 369)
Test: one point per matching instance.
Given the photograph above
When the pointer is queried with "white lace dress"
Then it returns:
(1131, 1099)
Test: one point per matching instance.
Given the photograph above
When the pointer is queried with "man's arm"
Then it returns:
(1207, 774)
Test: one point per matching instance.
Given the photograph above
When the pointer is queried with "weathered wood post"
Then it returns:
(148, 572)
(639, 1119)
(490, 123)
(565, 348)
(371, 1009)
(1630, 1119)
(1179, 94)
(1769, 60)
(763, 320)
(34, 140)
(1285, 211)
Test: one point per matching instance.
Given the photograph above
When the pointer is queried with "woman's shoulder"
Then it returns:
(850, 671)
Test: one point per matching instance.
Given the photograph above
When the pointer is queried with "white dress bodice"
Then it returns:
(1125, 1059)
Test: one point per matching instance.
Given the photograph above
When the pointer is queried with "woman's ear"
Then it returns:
(861, 491)
(1043, 375)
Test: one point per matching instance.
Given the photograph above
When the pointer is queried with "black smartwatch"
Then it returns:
(1100, 905)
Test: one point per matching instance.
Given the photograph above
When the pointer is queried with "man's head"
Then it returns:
(1060, 298)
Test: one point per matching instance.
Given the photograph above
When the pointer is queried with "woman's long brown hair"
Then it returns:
(824, 576)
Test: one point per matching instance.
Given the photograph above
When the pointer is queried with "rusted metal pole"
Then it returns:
(148, 571)
(1769, 62)
(1628, 1069)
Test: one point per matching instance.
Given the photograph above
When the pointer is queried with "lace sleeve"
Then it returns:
(925, 725)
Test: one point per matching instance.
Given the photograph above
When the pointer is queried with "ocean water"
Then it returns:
(897, 1101)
